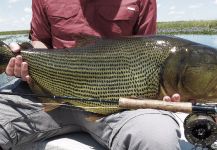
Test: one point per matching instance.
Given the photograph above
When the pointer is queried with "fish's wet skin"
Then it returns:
(149, 67)
(5, 55)
(191, 71)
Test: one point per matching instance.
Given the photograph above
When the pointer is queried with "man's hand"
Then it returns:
(16, 66)
(174, 98)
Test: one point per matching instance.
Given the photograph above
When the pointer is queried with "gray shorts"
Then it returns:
(22, 120)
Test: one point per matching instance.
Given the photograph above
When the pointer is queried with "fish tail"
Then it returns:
(5, 55)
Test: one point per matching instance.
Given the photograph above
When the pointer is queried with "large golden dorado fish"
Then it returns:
(108, 69)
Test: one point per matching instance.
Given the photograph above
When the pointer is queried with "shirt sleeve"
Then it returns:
(40, 27)
(146, 24)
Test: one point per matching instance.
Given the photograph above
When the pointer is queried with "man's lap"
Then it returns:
(83, 141)
(24, 122)
(70, 141)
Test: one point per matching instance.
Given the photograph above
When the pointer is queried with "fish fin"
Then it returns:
(5, 56)
(89, 116)
(93, 117)
(3, 44)
(39, 90)
(6, 47)
(50, 106)
(26, 45)
(83, 40)
(162, 92)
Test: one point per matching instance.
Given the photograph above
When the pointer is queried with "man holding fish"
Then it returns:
(58, 24)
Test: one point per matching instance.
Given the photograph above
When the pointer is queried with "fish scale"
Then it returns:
(108, 70)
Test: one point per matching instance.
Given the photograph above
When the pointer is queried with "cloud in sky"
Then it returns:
(172, 7)
(15, 15)
(28, 10)
(176, 12)
(195, 6)
(13, 1)
(179, 10)
(2, 20)
(158, 4)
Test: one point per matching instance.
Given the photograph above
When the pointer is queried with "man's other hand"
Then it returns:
(174, 98)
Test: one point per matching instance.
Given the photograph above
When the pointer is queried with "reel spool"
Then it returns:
(200, 129)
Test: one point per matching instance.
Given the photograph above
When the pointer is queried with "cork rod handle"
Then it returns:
(155, 104)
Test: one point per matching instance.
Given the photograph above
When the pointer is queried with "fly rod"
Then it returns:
(130, 103)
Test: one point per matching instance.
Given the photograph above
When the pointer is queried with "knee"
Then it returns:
(5, 139)
(148, 131)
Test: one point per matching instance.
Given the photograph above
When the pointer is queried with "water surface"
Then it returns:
(19, 38)
(210, 40)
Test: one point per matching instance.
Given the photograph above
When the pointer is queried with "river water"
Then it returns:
(210, 40)
(19, 38)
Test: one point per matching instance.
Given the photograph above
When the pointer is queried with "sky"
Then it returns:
(16, 14)
(176, 10)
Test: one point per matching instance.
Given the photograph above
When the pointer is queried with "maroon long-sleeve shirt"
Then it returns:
(57, 22)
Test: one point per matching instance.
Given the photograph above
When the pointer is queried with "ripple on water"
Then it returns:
(19, 38)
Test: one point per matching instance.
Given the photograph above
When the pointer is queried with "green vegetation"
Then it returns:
(188, 27)
(14, 32)
(176, 27)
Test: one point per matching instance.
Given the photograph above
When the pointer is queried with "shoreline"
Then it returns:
(208, 27)
(14, 32)
(174, 27)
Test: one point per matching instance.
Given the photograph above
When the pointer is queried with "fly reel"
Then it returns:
(200, 129)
